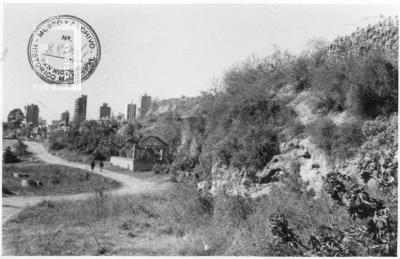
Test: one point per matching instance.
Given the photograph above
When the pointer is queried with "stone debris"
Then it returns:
(31, 183)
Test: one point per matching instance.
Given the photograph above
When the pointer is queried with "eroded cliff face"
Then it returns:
(298, 153)
(299, 157)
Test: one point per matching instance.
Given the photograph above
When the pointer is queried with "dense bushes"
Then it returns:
(369, 197)
(365, 86)
(10, 157)
(243, 117)
(339, 141)
(100, 140)
(21, 149)
(17, 155)
(247, 115)
(160, 169)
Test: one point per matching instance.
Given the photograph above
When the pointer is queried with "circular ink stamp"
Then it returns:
(64, 50)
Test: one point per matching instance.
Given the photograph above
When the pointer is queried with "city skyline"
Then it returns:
(200, 53)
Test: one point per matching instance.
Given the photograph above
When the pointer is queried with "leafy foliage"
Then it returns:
(338, 141)
(100, 140)
(21, 148)
(10, 157)
(15, 119)
(282, 232)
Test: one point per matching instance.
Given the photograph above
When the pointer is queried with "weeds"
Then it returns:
(56, 179)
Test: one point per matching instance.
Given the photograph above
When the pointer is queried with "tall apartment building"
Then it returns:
(145, 105)
(32, 114)
(65, 118)
(80, 109)
(131, 112)
(105, 111)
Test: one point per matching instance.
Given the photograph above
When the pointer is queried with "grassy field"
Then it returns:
(56, 179)
(71, 156)
(176, 222)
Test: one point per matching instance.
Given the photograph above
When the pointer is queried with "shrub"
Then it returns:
(231, 210)
(364, 85)
(322, 132)
(9, 156)
(160, 169)
(348, 138)
(338, 141)
(21, 148)
(380, 227)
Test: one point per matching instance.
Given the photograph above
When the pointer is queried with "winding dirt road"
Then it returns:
(130, 184)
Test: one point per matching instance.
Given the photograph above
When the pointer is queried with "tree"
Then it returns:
(15, 119)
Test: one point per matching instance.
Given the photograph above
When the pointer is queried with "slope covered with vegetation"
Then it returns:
(315, 135)
(342, 98)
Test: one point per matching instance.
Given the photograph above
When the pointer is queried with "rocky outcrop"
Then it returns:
(237, 182)
(313, 166)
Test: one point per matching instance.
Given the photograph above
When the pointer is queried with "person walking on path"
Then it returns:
(92, 164)
(101, 165)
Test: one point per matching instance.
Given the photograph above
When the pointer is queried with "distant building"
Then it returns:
(131, 112)
(105, 111)
(32, 114)
(43, 123)
(80, 109)
(56, 123)
(65, 118)
(145, 105)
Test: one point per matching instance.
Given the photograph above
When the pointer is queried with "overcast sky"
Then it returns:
(166, 51)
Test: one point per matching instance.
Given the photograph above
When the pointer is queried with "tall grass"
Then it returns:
(56, 179)
(178, 222)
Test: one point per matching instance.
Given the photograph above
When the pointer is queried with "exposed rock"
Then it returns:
(289, 145)
(31, 183)
(266, 176)
(203, 187)
(19, 175)
(300, 151)
(318, 156)
(315, 166)
(24, 183)
(263, 189)
(228, 180)
(273, 170)
(246, 181)
(306, 155)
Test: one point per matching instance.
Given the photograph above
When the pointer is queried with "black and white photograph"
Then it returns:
(215, 128)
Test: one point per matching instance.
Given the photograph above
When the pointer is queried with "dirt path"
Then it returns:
(130, 184)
